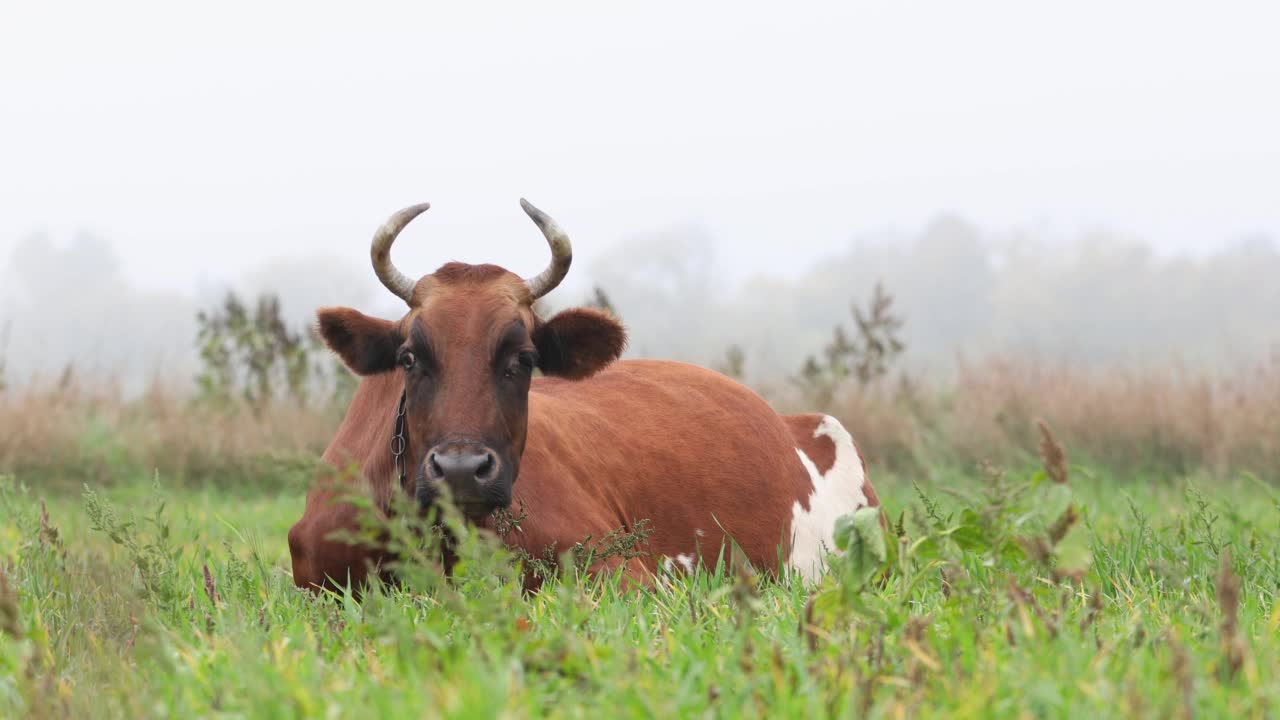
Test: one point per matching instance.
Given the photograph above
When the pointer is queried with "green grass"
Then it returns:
(960, 620)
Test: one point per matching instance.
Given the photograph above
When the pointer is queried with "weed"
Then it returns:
(254, 356)
(867, 356)
(149, 546)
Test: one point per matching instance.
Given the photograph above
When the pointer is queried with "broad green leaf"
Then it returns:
(1054, 500)
(862, 539)
(970, 538)
(1073, 552)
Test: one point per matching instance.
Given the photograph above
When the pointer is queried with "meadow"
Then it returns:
(1054, 591)
(144, 570)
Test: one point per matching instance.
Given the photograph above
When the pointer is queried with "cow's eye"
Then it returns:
(407, 360)
(521, 365)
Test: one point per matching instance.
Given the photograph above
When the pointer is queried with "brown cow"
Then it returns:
(596, 445)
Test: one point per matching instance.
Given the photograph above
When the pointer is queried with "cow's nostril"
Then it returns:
(486, 467)
(462, 469)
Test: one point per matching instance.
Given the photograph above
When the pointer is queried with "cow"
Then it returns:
(448, 400)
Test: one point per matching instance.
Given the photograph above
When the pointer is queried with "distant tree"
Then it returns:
(667, 284)
(126, 334)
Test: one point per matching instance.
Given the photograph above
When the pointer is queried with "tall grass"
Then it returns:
(70, 433)
(1170, 420)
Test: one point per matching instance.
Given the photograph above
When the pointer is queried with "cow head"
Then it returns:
(467, 349)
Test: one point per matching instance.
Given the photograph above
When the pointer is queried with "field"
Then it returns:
(1008, 594)
(144, 568)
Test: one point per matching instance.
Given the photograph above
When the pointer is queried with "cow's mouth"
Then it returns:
(474, 509)
(477, 510)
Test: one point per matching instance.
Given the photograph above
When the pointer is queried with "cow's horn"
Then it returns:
(561, 252)
(397, 282)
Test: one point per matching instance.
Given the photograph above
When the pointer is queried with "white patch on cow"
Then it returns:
(838, 492)
(686, 561)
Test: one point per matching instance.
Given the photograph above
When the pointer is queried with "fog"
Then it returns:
(1095, 183)
(1098, 299)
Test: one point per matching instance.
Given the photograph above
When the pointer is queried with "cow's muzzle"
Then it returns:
(474, 474)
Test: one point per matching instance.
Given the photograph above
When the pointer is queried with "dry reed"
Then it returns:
(70, 434)
(1168, 419)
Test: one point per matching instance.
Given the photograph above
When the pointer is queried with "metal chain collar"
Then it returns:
(398, 443)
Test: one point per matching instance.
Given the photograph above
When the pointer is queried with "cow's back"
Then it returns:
(692, 451)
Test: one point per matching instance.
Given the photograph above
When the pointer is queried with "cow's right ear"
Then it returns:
(367, 345)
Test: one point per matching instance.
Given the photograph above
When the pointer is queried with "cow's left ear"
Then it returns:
(577, 343)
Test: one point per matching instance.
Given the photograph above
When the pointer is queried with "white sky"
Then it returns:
(203, 142)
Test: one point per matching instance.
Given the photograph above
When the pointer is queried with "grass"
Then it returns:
(1157, 599)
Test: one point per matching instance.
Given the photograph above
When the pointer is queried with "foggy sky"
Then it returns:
(204, 142)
